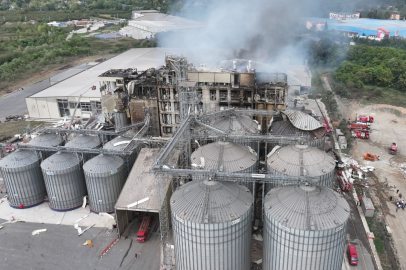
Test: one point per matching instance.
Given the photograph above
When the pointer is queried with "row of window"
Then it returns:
(64, 106)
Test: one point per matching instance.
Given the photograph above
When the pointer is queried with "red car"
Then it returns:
(352, 255)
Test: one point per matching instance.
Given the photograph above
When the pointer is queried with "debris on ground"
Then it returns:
(38, 231)
(88, 243)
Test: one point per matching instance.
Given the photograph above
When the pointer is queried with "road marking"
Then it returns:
(345, 253)
(360, 247)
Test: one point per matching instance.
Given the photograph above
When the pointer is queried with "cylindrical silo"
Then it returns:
(120, 119)
(105, 177)
(46, 140)
(120, 143)
(23, 179)
(301, 160)
(212, 226)
(238, 125)
(64, 181)
(305, 228)
(225, 157)
(84, 141)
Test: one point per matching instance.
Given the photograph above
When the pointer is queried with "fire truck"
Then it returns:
(365, 119)
(360, 134)
(142, 232)
(344, 178)
(358, 126)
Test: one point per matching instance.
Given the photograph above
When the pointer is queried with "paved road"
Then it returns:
(14, 103)
(356, 236)
(61, 248)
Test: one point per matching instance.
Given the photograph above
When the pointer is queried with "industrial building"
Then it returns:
(204, 152)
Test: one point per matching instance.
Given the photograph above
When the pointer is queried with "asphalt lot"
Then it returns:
(14, 103)
(61, 248)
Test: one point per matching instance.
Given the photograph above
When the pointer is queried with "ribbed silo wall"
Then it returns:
(23, 180)
(291, 249)
(104, 184)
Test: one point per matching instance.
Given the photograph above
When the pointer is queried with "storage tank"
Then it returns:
(119, 144)
(64, 181)
(304, 228)
(241, 124)
(225, 157)
(46, 140)
(23, 179)
(301, 160)
(120, 119)
(84, 141)
(212, 226)
(105, 178)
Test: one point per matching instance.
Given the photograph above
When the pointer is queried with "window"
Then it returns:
(96, 106)
(72, 105)
(63, 107)
(213, 95)
(85, 107)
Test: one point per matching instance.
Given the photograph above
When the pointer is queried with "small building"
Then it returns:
(395, 16)
(342, 141)
(32, 21)
(367, 206)
(343, 16)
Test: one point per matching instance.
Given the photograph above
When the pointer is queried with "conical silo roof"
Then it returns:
(102, 164)
(60, 161)
(301, 160)
(240, 124)
(307, 207)
(211, 201)
(120, 143)
(225, 157)
(46, 139)
(84, 141)
(19, 159)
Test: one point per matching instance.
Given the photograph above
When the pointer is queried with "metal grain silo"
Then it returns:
(119, 144)
(225, 157)
(121, 120)
(64, 181)
(23, 179)
(85, 141)
(305, 228)
(105, 177)
(241, 124)
(212, 226)
(301, 160)
(46, 140)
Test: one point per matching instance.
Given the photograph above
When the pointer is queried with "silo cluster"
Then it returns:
(304, 228)
(212, 226)
(23, 179)
(105, 177)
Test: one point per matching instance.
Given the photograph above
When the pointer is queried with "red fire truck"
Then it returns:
(344, 178)
(360, 134)
(356, 126)
(365, 119)
(142, 232)
(393, 149)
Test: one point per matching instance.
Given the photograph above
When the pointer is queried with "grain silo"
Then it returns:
(84, 141)
(241, 124)
(301, 160)
(46, 140)
(23, 179)
(212, 226)
(119, 144)
(105, 177)
(225, 157)
(305, 228)
(64, 181)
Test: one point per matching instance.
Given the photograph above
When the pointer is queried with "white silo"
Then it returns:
(304, 228)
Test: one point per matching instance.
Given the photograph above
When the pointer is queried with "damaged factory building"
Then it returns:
(178, 85)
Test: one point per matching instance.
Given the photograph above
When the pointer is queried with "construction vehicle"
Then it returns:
(143, 231)
(393, 149)
(345, 180)
(370, 157)
(360, 134)
(365, 119)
